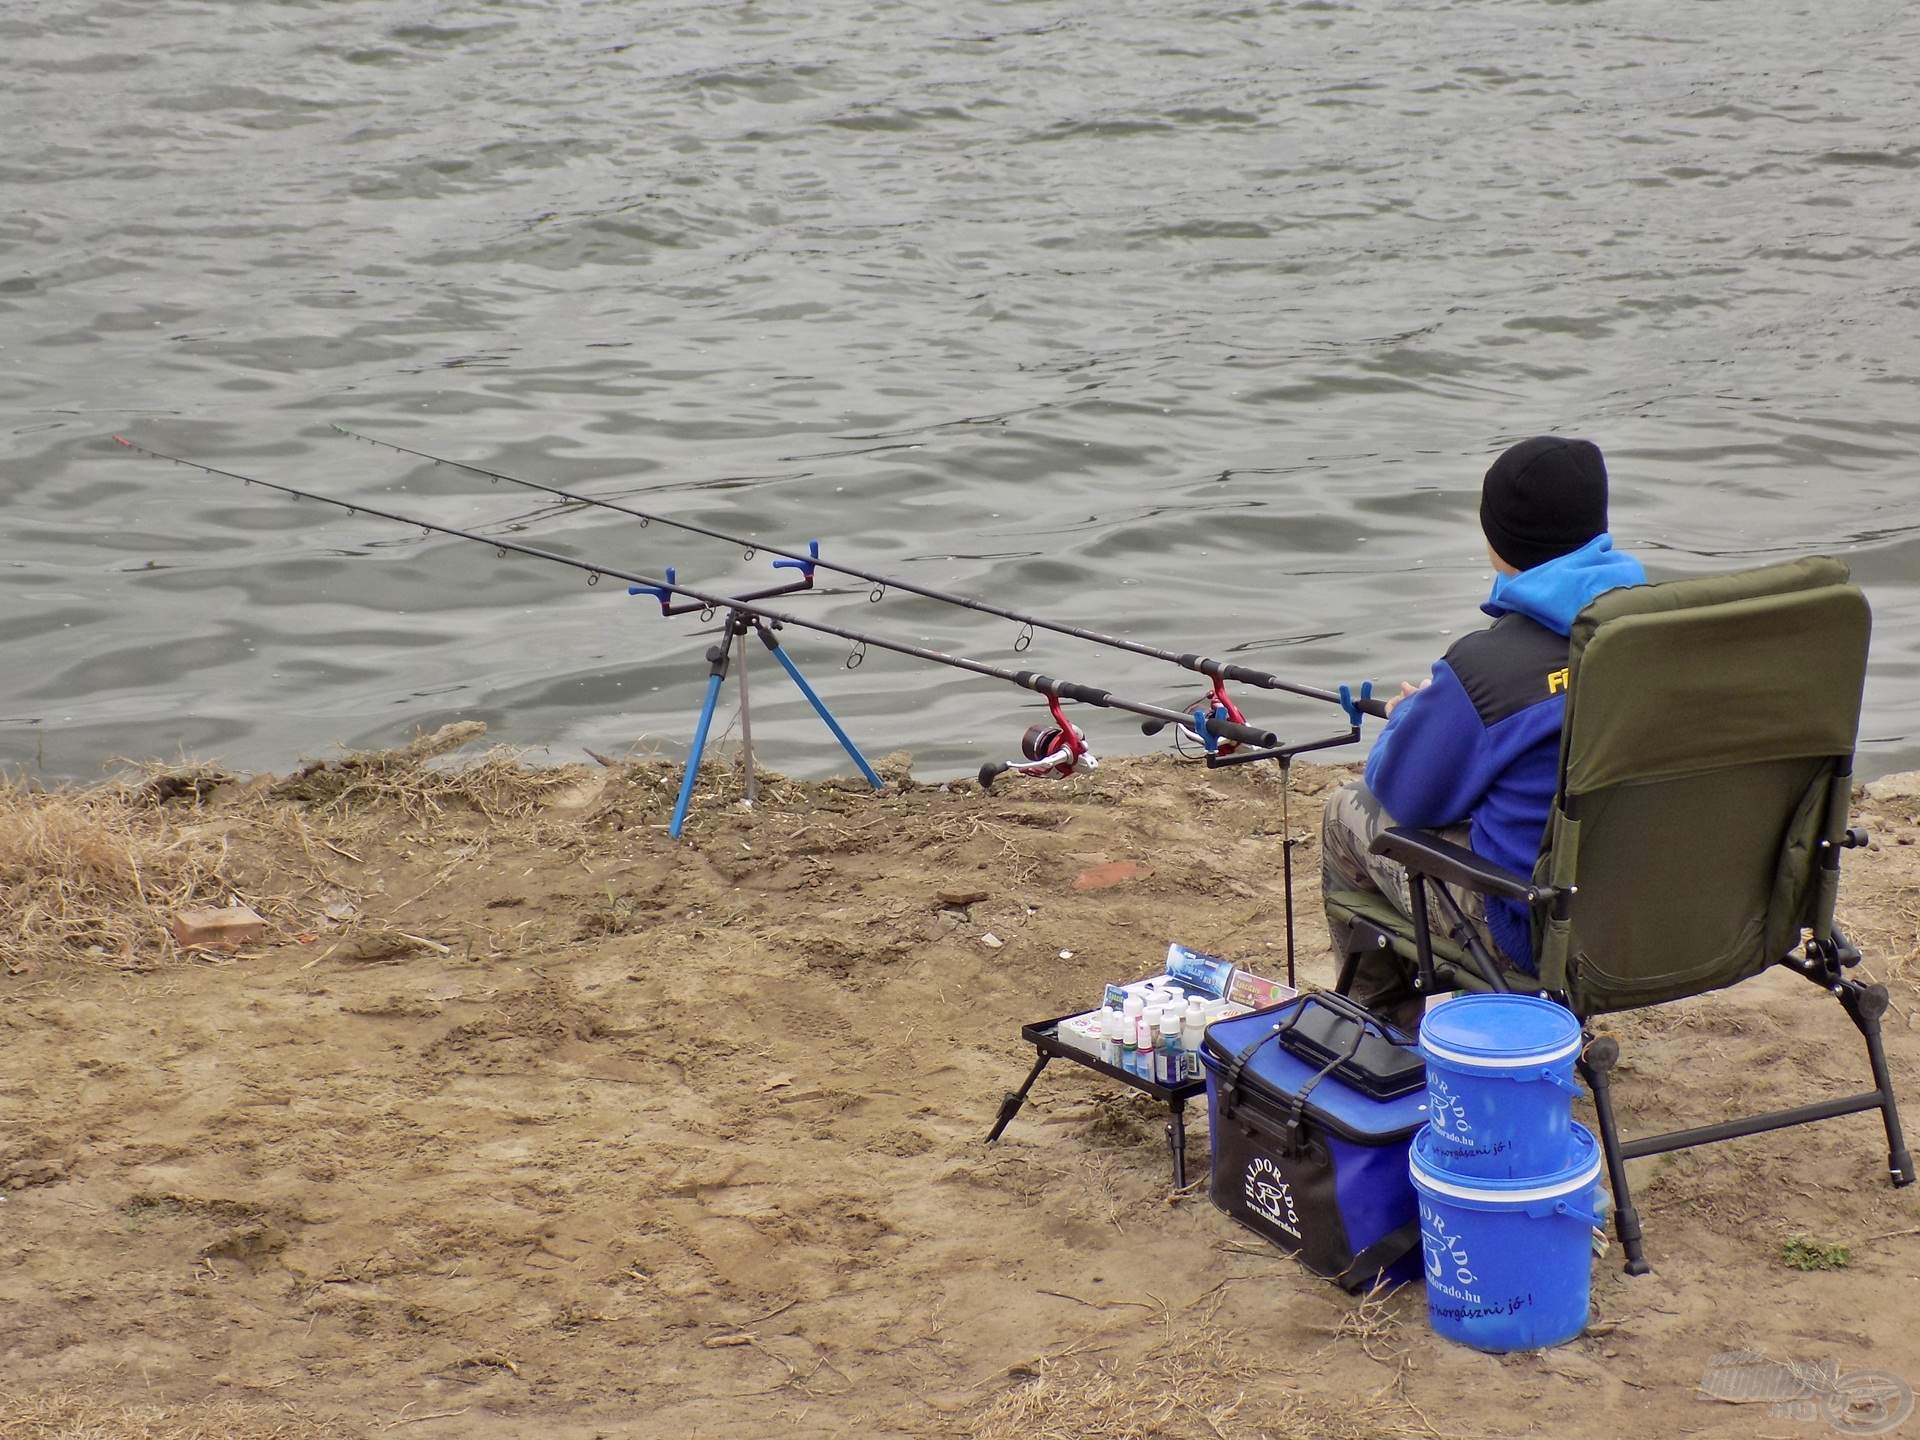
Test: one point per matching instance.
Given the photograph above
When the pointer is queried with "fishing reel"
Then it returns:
(1055, 750)
(1215, 705)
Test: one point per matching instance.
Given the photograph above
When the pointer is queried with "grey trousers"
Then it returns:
(1383, 981)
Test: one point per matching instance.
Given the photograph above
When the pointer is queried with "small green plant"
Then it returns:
(1811, 1255)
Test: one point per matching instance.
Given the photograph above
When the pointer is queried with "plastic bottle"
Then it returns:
(1111, 1023)
(1172, 1068)
(1130, 1014)
(1193, 1030)
(1143, 1050)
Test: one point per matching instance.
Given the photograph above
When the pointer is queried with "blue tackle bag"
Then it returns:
(1311, 1109)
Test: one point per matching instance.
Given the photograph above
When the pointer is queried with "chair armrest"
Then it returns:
(1425, 852)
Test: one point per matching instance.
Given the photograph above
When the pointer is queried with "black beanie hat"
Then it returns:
(1544, 498)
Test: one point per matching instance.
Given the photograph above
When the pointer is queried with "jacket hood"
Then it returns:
(1555, 592)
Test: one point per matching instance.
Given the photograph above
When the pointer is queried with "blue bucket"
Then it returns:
(1509, 1263)
(1500, 1084)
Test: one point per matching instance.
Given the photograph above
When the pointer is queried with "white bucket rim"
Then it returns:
(1501, 1062)
(1463, 1188)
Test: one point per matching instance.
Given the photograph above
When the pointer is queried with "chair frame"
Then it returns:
(1429, 859)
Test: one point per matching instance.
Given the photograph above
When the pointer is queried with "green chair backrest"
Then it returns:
(1707, 751)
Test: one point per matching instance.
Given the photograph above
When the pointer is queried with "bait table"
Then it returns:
(1044, 1036)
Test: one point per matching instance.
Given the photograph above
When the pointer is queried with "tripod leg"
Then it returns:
(746, 725)
(693, 760)
(826, 715)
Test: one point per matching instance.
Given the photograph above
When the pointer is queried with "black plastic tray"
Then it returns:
(1044, 1036)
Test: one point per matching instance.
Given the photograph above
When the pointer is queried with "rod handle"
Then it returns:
(1243, 734)
(1062, 689)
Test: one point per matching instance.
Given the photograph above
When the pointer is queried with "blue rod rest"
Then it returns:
(1203, 727)
(1347, 700)
(805, 567)
(660, 593)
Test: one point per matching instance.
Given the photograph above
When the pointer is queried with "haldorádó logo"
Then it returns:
(1269, 1196)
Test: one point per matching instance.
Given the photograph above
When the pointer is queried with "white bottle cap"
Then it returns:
(1134, 1005)
(1170, 1024)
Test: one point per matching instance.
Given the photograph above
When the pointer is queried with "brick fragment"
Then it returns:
(1105, 877)
(224, 929)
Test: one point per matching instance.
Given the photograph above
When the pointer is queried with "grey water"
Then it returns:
(1193, 322)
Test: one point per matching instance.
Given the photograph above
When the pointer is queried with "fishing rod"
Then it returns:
(1219, 671)
(1054, 689)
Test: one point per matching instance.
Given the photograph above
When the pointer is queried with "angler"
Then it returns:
(1219, 671)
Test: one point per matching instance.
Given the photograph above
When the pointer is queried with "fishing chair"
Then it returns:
(1694, 842)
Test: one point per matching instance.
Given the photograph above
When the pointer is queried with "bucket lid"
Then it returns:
(1499, 1032)
(1430, 1173)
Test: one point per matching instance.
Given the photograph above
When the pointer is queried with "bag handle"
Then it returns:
(1347, 1009)
(1383, 1254)
(1292, 1142)
(1231, 1085)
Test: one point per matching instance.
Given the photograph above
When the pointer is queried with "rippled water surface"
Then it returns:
(1197, 323)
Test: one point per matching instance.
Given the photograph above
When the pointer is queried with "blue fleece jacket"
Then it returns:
(1481, 742)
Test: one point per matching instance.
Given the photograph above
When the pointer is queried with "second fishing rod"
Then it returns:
(1047, 685)
(1217, 670)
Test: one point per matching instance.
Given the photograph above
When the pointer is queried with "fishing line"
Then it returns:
(1026, 679)
(1215, 669)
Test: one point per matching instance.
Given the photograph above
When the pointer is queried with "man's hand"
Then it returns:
(1407, 687)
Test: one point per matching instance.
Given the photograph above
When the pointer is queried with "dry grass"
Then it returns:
(66, 1416)
(95, 874)
(1198, 1381)
(1376, 1323)
(497, 787)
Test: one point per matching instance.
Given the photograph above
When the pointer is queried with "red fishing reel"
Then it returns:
(1053, 750)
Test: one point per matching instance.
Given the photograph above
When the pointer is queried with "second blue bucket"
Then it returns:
(1500, 1085)
(1509, 1263)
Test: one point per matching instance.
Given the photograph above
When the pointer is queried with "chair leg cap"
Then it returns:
(1638, 1267)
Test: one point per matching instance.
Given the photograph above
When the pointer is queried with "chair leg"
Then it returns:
(1353, 942)
(1349, 964)
(1596, 1068)
(1865, 1004)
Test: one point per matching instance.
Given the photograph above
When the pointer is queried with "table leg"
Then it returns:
(1177, 1142)
(1010, 1106)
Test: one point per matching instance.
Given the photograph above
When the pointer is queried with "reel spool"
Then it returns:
(1053, 751)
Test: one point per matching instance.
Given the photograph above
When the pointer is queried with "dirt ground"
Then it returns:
(525, 1120)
